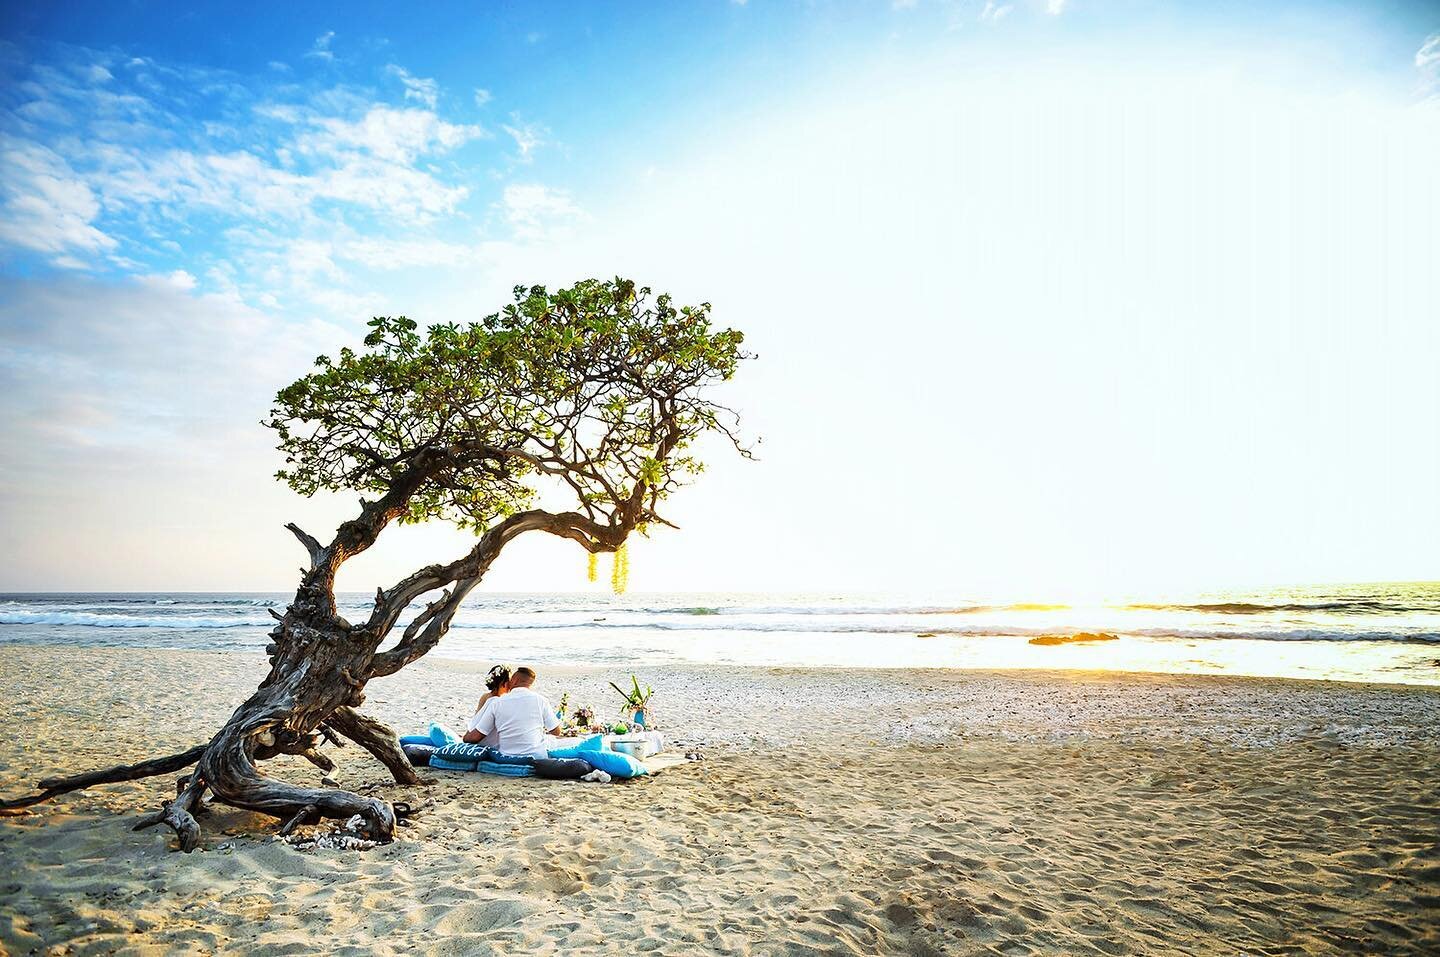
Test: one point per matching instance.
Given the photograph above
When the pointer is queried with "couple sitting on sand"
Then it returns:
(511, 717)
(507, 736)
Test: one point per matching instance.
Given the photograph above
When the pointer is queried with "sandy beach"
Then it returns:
(835, 812)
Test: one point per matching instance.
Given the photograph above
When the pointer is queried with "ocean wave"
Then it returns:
(959, 631)
(709, 610)
(101, 601)
(1358, 607)
(858, 609)
(92, 620)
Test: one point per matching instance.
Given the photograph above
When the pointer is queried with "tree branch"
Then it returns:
(179, 814)
(124, 772)
(377, 738)
(316, 550)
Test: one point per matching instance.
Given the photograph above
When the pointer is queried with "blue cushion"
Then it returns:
(443, 764)
(441, 735)
(500, 757)
(596, 742)
(457, 757)
(460, 751)
(615, 764)
(505, 770)
(567, 753)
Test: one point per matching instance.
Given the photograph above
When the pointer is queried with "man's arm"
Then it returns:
(549, 720)
(482, 724)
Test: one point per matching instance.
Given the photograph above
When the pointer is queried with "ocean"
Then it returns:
(1377, 633)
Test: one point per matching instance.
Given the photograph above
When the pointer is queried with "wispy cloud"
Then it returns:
(1055, 7)
(416, 88)
(536, 211)
(395, 135)
(320, 50)
(1427, 61)
(994, 10)
(47, 208)
(527, 136)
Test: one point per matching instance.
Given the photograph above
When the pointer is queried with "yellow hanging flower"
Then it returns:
(620, 571)
(594, 564)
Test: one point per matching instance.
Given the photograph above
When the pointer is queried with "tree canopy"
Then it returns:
(600, 386)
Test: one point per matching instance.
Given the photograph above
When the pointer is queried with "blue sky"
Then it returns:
(1122, 278)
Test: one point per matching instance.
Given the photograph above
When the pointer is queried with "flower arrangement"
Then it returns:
(636, 700)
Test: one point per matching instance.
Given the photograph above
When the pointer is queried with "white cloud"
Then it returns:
(536, 211)
(994, 11)
(406, 253)
(1427, 61)
(321, 49)
(45, 111)
(398, 135)
(1055, 7)
(346, 304)
(48, 208)
(527, 136)
(482, 96)
(178, 180)
(389, 187)
(179, 279)
(416, 88)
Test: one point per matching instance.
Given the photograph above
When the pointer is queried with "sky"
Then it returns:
(1060, 298)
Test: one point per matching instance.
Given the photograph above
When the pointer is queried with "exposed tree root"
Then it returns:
(52, 787)
(179, 814)
(309, 814)
(232, 776)
(377, 738)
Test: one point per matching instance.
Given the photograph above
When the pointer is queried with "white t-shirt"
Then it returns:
(516, 721)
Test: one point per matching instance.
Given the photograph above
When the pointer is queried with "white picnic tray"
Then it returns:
(653, 741)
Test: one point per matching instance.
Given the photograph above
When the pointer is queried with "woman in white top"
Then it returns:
(497, 683)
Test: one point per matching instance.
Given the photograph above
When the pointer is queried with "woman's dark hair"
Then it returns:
(498, 676)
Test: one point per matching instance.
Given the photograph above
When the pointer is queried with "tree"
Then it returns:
(593, 394)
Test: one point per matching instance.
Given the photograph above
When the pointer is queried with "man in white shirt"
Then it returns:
(517, 721)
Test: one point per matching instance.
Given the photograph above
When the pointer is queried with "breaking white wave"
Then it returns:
(93, 620)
